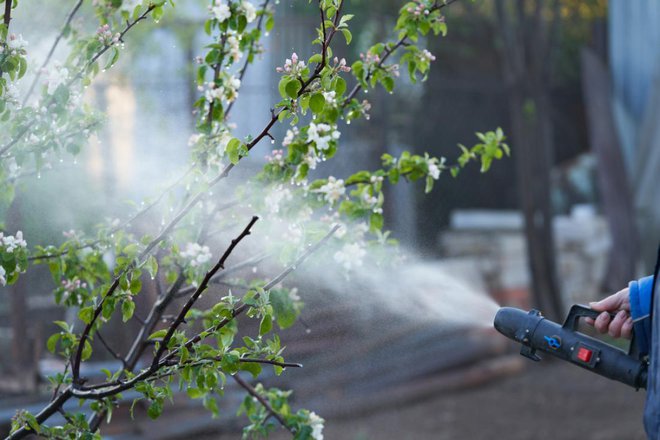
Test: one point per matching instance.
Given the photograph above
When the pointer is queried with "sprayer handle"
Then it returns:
(579, 311)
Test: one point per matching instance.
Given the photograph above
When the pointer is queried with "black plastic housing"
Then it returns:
(535, 332)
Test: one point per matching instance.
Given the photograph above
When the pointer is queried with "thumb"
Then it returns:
(611, 303)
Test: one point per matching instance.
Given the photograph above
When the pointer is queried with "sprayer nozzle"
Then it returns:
(509, 320)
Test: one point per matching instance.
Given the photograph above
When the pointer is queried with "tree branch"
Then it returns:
(262, 400)
(202, 287)
(52, 50)
(79, 75)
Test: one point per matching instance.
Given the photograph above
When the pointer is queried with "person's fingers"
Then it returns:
(589, 321)
(615, 326)
(613, 302)
(627, 328)
(602, 322)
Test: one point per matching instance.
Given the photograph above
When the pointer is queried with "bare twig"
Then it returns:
(52, 50)
(110, 350)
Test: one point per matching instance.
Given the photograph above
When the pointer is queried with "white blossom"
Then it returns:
(322, 135)
(12, 242)
(290, 136)
(372, 202)
(351, 255)
(434, 167)
(234, 46)
(16, 43)
(293, 294)
(276, 158)
(194, 139)
(213, 92)
(330, 97)
(250, 11)
(333, 190)
(55, 77)
(12, 94)
(197, 254)
(3, 273)
(311, 159)
(427, 56)
(220, 11)
(275, 198)
(316, 423)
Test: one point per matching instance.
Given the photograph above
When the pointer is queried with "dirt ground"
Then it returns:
(549, 400)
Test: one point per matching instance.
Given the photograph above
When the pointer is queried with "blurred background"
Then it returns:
(572, 216)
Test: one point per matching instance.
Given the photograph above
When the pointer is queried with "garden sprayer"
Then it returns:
(565, 342)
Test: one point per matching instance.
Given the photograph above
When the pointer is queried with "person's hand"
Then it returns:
(619, 326)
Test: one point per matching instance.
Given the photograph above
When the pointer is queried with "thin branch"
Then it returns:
(274, 282)
(202, 287)
(59, 385)
(402, 42)
(110, 350)
(75, 78)
(267, 361)
(262, 400)
(119, 227)
(52, 50)
(217, 278)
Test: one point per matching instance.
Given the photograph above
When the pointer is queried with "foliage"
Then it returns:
(100, 273)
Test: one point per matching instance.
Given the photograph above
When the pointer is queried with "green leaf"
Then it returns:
(233, 151)
(376, 221)
(340, 86)
(388, 83)
(114, 56)
(127, 310)
(347, 35)
(292, 88)
(229, 363)
(86, 314)
(155, 410)
(283, 308)
(251, 367)
(270, 23)
(195, 393)
(159, 334)
(152, 266)
(266, 325)
(51, 344)
(317, 103)
(87, 351)
(429, 184)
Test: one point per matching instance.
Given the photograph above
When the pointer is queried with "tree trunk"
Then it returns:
(528, 40)
(532, 143)
(615, 191)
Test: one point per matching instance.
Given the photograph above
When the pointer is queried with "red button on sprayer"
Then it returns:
(584, 354)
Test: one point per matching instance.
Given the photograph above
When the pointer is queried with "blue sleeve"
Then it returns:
(641, 292)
